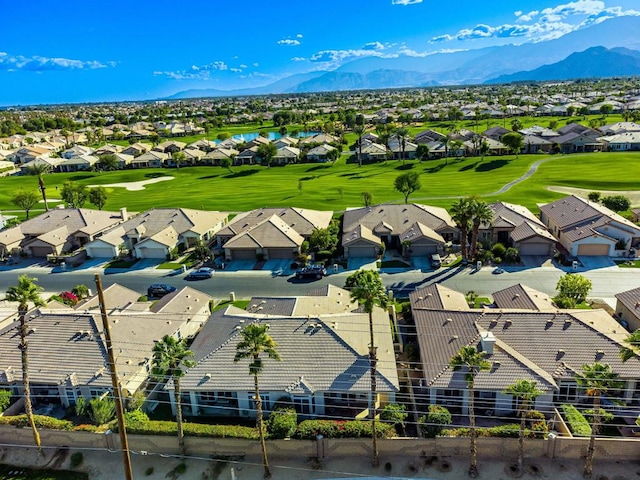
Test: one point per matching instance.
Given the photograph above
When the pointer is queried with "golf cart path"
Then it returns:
(135, 186)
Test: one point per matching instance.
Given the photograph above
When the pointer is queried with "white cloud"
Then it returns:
(549, 23)
(373, 46)
(334, 58)
(255, 64)
(298, 59)
(405, 2)
(289, 42)
(39, 63)
(196, 72)
(299, 35)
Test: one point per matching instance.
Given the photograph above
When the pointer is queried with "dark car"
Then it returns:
(200, 273)
(159, 290)
(311, 272)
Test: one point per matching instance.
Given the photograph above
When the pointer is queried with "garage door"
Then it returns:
(590, 250)
(286, 253)
(423, 250)
(243, 253)
(41, 251)
(534, 249)
(362, 252)
(159, 253)
(100, 252)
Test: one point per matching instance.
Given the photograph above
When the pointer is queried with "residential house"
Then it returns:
(136, 149)
(621, 142)
(170, 146)
(154, 233)
(428, 136)
(286, 155)
(319, 138)
(495, 133)
(522, 297)
(413, 229)
(57, 231)
(372, 152)
(246, 157)
(635, 214)
(77, 151)
(628, 309)
(215, 156)
(203, 145)
(51, 163)
(285, 142)
(586, 228)
(536, 144)
(323, 340)
(573, 142)
(547, 347)
(68, 356)
(408, 153)
(320, 153)
(515, 226)
(619, 127)
(30, 153)
(78, 163)
(270, 233)
(150, 159)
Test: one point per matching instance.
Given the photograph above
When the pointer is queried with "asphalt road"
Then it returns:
(606, 282)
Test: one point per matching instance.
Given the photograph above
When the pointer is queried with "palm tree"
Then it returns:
(472, 362)
(255, 341)
(24, 293)
(526, 392)
(445, 143)
(597, 379)
(169, 355)
(402, 134)
(482, 213)
(39, 170)
(359, 130)
(633, 340)
(462, 214)
(367, 289)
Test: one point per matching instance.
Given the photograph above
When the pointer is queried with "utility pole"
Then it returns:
(124, 441)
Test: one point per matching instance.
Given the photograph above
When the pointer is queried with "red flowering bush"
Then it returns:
(69, 298)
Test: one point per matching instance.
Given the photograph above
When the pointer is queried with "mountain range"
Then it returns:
(605, 49)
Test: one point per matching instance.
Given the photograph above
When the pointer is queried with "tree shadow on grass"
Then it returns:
(349, 174)
(407, 166)
(242, 173)
(468, 167)
(208, 177)
(318, 167)
(492, 165)
(154, 175)
(436, 168)
(77, 178)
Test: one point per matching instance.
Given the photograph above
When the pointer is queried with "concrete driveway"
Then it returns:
(356, 263)
(533, 261)
(592, 263)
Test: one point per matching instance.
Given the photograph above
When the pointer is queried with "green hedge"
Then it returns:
(309, 429)
(158, 427)
(576, 421)
(41, 421)
(511, 430)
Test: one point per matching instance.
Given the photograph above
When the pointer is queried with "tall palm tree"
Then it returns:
(445, 143)
(368, 290)
(472, 362)
(255, 341)
(633, 340)
(482, 213)
(402, 134)
(526, 392)
(597, 379)
(359, 130)
(169, 356)
(462, 214)
(24, 293)
(39, 170)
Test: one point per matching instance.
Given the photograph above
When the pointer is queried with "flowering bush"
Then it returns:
(69, 298)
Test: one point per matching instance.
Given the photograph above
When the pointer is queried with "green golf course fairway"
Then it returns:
(340, 185)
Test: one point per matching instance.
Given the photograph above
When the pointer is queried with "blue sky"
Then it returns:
(88, 51)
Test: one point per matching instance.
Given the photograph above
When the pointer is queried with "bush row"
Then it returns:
(310, 429)
(505, 431)
(576, 421)
(158, 427)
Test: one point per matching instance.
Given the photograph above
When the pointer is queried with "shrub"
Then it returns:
(41, 421)
(81, 406)
(102, 410)
(309, 429)
(135, 401)
(69, 298)
(84, 427)
(76, 459)
(605, 417)
(564, 302)
(512, 255)
(511, 430)
(282, 423)
(394, 414)
(499, 250)
(433, 422)
(576, 421)
(160, 427)
(5, 399)
(135, 416)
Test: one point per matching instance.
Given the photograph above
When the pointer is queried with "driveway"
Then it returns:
(533, 261)
(356, 263)
(592, 263)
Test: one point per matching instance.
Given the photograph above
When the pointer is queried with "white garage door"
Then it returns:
(587, 250)
(534, 249)
(286, 253)
(362, 252)
(159, 253)
(243, 253)
(100, 252)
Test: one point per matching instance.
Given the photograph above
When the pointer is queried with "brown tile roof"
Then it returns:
(522, 297)
(631, 300)
(398, 217)
(302, 220)
(438, 297)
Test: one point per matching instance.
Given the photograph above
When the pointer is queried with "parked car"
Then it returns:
(498, 271)
(317, 271)
(436, 261)
(200, 273)
(160, 290)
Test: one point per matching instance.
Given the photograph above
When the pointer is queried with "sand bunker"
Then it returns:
(135, 186)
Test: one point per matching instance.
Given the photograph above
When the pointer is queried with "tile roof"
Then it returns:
(272, 232)
(513, 214)
(522, 297)
(631, 300)
(302, 220)
(527, 230)
(438, 297)
(398, 217)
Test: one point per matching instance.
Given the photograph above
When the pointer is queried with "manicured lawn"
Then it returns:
(337, 186)
(121, 263)
(628, 263)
